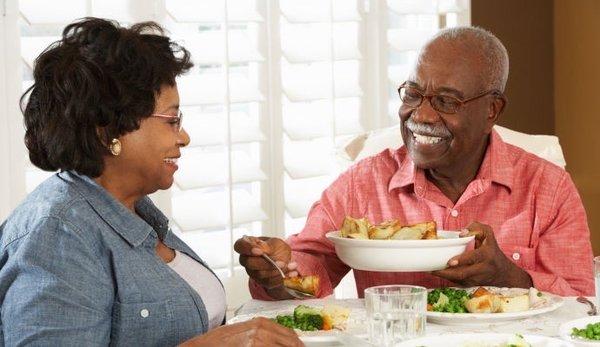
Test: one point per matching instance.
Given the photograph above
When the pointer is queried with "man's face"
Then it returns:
(436, 140)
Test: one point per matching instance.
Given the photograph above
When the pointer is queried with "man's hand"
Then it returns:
(485, 265)
(251, 250)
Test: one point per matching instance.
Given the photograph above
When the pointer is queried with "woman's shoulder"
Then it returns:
(46, 207)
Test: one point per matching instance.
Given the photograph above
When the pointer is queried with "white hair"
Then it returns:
(492, 52)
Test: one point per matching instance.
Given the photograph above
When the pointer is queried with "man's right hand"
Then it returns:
(260, 270)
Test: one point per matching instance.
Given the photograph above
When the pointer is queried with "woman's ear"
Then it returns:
(103, 136)
(112, 144)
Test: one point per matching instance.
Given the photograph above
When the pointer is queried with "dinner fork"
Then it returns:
(592, 311)
(295, 293)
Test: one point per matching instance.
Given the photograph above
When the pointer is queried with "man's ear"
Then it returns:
(496, 108)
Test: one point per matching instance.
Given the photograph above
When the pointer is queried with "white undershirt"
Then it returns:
(204, 283)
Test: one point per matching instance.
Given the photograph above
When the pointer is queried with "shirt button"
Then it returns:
(516, 256)
(454, 213)
(144, 313)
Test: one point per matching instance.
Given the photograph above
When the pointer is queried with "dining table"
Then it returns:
(546, 324)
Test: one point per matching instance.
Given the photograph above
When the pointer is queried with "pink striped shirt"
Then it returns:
(532, 206)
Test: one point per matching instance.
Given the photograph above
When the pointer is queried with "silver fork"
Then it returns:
(592, 311)
(295, 293)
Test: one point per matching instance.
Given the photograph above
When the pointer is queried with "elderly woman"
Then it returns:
(87, 259)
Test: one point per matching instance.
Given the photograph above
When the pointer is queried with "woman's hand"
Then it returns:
(256, 332)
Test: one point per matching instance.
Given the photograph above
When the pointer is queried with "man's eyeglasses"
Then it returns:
(177, 120)
(442, 103)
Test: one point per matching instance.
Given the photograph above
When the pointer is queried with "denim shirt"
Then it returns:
(77, 268)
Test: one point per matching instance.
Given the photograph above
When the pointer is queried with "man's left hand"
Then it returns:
(485, 265)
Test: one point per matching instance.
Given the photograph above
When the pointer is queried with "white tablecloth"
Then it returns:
(545, 324)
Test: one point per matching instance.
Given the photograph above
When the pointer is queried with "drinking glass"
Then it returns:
(395, 313)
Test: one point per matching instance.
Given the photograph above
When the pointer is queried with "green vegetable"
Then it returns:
(285, 320)
(590, 332)
(305, 318)
(448, 300)
(308, 318)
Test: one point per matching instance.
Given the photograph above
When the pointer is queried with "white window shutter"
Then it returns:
(277, 85)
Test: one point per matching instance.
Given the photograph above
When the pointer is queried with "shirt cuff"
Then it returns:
(308, 265)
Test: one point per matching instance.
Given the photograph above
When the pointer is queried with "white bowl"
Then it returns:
(399, 255)
(565, 331)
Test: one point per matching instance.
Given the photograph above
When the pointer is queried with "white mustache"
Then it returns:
(427, 129)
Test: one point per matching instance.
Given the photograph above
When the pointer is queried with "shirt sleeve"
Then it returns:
(314, 254)
(564, 258)
(54, 291)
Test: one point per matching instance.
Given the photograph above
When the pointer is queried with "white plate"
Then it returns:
(447, 318)
(399, 255)
(565, 330)
(355, 325)
(481, 340)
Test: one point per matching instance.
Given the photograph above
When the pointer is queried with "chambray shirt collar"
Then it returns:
(496, 167)
(131, 227)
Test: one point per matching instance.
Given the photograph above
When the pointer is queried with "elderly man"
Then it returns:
(530, 224)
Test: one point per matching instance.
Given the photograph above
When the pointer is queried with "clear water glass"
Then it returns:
(597, 278)
(395, 313)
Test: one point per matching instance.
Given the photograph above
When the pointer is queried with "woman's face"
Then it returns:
(149, 155)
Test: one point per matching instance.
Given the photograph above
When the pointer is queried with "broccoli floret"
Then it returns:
(448, 300)
(307, 318)
(304, 318)
(303, 310)
(433, 296)
(309, 322)
(285, 320)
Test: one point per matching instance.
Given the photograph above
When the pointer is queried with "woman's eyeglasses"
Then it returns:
(177, 120)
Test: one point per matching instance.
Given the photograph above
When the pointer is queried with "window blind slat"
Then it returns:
(212, 10)
(208, 89)
(412, 7)
(303, 82)
(319, 10)
(310, 42)
(304, 159)
(301, 194)
(408, 39)
(210, 169)
(195, 211)
(45, 12)
(309, 120)
(207, 47)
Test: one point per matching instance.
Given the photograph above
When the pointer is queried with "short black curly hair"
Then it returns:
(94, 84)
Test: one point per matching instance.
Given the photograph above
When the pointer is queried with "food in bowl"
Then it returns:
(305, 284)
(307, 318)
(361, 228)
(484, 300)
